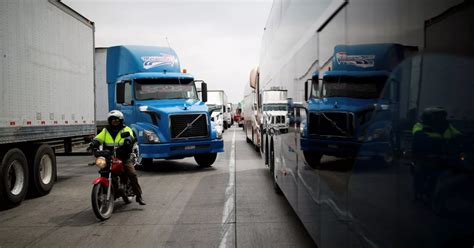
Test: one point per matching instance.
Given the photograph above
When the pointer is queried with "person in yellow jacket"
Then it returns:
(109, 137)
(434, 139)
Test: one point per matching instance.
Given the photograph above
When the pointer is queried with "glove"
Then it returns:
(94, 145)
(128, 141)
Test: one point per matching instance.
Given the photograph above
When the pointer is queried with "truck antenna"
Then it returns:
(169, 46)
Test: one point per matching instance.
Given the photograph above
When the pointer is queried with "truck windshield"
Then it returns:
(354, 87)
(215, 98)
(155, 89)
(275, 107)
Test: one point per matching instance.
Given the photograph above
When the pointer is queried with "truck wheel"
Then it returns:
(205, 160)
(13, 178)
(42, 164)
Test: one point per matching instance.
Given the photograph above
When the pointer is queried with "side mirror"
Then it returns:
(204, 92)
(306, 88)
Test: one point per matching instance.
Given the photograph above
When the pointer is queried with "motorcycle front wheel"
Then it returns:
(102, 208)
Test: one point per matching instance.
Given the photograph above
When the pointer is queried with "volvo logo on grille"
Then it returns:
(189, 125)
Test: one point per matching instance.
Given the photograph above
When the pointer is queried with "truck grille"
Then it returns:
(188, 126)
(279, 119)
(332, 124)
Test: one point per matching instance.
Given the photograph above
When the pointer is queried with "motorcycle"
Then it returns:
(112, 183)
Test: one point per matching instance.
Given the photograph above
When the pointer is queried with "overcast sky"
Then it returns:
(217, 41)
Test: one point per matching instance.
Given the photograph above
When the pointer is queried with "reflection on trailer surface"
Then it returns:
(410, 182)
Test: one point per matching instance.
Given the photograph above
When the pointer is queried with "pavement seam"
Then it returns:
(229, 211)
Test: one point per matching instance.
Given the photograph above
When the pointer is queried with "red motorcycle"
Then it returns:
(112, 184)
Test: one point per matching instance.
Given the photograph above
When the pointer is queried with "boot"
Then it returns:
(140, 200)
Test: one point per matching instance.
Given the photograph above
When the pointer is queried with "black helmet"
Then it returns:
(435, 117)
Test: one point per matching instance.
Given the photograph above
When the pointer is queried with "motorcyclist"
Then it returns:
(109, 137)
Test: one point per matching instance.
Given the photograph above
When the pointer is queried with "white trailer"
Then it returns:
(101, 94)
(218, 99)
(47, 92)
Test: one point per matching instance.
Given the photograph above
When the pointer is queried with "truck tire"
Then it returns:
(42, 165)
(13, 178)
(225, 125)
(206, 159)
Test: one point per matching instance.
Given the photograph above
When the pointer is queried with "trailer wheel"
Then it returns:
(206, 159)
(42, 164)
(13, 178)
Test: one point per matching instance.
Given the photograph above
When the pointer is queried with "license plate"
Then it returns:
(189, 147)
(333, 146)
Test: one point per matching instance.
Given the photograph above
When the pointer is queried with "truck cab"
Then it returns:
(341, 102)
(161, 105)
(275, 109)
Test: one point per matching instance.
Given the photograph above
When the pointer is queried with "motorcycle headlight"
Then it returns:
(100, 162)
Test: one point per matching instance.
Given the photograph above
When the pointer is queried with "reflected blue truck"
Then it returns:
(161, 105)
(341, 103)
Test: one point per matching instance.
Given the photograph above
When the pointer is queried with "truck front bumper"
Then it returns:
(344, 149)
(181, 149)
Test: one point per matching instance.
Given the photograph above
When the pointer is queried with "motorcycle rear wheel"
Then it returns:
(102, 208)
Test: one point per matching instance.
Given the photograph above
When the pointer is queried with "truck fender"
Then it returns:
(101, 180)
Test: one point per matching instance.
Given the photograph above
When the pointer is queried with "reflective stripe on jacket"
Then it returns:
(449, 133)
(105, 138)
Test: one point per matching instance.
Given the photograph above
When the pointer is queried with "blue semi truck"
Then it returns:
(342, 102)
(161, 105)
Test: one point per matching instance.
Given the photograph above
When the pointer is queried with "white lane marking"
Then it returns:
(229, 206)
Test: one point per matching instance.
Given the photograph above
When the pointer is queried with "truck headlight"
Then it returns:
(151, 136)
(100, 162)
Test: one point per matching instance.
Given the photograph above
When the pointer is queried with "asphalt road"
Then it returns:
(231, 204)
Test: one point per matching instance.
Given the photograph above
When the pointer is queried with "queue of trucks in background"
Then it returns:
(48, 93)
(265, 110)
(238, 114)
(161, 105)
(217, 99)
